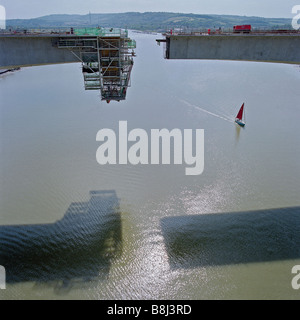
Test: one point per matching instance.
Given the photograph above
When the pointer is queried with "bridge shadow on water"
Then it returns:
(194, 241)
(73, 251)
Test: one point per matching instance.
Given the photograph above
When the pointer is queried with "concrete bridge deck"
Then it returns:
(106, 56)
(22, 50)
(265, 47)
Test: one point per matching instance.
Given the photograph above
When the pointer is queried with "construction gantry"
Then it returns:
(106, 56)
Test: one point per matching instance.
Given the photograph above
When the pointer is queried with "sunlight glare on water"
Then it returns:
(71, 228)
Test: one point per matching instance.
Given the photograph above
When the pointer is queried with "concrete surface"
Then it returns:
(268, 48)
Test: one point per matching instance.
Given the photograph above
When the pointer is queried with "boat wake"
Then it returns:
(206, 111)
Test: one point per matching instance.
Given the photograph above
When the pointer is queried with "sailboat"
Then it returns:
(239, 117)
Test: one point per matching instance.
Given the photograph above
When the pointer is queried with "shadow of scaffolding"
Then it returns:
(75, 250)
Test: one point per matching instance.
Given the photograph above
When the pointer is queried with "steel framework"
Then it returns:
(107, 59)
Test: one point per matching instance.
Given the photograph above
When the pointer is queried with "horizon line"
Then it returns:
(126, 12)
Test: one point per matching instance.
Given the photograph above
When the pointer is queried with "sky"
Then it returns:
(25, 9)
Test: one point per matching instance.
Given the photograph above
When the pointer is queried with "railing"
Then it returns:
(101, 32)
(226, 31)
(72, 43)
(131, 44)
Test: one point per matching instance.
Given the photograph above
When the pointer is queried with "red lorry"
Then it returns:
(245, 28)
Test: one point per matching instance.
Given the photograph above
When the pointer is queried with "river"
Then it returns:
(71, 228)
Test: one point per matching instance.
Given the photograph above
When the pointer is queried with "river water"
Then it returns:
(71, 228)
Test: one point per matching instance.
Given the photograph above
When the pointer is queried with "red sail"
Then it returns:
(240, 113)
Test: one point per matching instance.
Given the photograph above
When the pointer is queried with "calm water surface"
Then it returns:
(73, 229)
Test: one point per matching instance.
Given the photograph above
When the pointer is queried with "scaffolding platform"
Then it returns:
(106, 55)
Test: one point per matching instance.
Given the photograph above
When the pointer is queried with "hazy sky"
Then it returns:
(261, 8)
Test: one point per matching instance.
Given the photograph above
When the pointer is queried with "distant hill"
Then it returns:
(148, 21)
